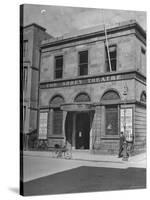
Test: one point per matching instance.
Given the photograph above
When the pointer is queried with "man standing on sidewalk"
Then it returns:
(122, 140)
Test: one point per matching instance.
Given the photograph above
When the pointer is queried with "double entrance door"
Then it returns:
(78, 129)
(82, 131)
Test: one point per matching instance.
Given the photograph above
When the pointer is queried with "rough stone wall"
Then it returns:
(138, 56)
(139, 88)
(96, 63)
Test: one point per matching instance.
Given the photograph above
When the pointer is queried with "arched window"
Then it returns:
(57, 100)
(82, 97)
(110, 100)
(143, 97)
(110, 96)
(57, 117)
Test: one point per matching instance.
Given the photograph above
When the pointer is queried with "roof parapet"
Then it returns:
(95, 29)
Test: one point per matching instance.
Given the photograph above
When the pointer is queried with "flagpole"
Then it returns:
(106, 39)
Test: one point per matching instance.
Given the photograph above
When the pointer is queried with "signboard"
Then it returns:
(126, 126)
(86, 80)
(43, 125)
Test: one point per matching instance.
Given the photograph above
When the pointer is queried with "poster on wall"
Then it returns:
(126, 123)
(43, 126)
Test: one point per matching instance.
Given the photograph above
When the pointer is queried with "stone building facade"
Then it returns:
(31, 37)
(87, 96)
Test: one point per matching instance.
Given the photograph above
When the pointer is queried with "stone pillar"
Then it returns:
(74, 131)
(63, 126)
(50, 123)
(102, 120)
(91, 130)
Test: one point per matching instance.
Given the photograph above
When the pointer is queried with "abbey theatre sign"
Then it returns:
(87, 80)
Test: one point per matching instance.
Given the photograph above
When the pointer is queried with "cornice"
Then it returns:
(97, 33)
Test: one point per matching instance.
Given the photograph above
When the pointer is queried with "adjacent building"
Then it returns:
(31, 37)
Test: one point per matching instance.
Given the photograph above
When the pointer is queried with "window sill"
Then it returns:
(56, 136)
(110, 137)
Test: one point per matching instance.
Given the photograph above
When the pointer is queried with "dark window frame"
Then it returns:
(83, 65)
(58, 67)
(113, 58)
(57, 111)
(143, 57)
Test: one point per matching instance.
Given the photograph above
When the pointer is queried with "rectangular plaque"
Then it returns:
(43, 125)
(126, 117)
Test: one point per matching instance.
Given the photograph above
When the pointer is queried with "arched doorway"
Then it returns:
(78, 121)
(82, 134)
(82, 123)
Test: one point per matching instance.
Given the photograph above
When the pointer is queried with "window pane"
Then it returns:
(83, 57)
(84, 69)
(58, 74)
(113, 65)
(59, 61)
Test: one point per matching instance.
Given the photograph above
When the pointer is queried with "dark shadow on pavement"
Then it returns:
(87, 179)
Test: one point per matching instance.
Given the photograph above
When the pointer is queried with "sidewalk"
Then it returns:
(87, 156)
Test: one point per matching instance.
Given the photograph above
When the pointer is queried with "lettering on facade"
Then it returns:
(84, 81)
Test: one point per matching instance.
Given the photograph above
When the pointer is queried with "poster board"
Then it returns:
(126, 120)
(43, 125)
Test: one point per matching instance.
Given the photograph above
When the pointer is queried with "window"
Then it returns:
(113, 58)
(143, 58)
(111, 120)
(57, 121)
(57, 116)
(25, 78)
(82, 97)
(110, 101)
(58, 67)
(25, 48)
(83, 63)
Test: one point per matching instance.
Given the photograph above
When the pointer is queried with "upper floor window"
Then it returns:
(143, 58)
(25, 48)
(112, 65)
(83, 63)
(58, 71)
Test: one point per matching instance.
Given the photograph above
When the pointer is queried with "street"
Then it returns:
(45, 175)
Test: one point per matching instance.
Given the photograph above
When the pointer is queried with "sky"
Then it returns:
(59, 20)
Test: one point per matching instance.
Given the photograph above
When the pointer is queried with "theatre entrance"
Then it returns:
(82, 130)
(77, 129)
